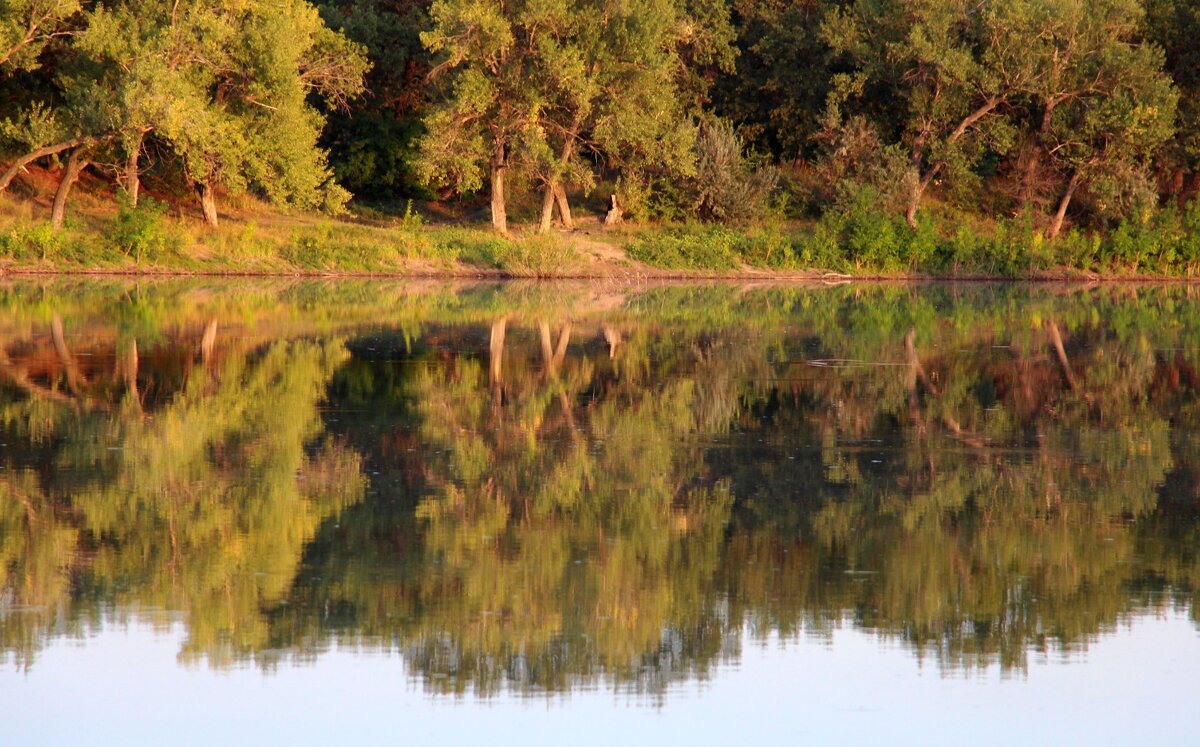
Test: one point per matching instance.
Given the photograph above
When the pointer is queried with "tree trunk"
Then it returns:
(1028, 188)
(547, 209)
(564, 207)
(499, 169)
(615, 214)
(920, 184)
(1056, 225)
(1033, 161)
(208, 203)
(133, 180)
(32, 156)
(557, 189)
(75, 164)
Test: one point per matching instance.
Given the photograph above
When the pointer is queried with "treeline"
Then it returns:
(1054, 111)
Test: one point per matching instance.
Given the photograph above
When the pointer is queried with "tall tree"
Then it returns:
(948, 69)
(1099, 103)
(528, 85)
(784, 67)
(223, 87)
(1174, 25)
(373, 144)
(611, 72)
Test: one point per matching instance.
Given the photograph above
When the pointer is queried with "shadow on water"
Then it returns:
(544, 487)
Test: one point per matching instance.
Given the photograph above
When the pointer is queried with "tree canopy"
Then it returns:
(1065, 112)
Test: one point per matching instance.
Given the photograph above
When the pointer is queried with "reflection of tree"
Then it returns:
(994, 527)
(202, 505)
(618, 497)
(564, 530)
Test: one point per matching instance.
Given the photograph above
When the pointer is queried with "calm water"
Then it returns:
(255, 511)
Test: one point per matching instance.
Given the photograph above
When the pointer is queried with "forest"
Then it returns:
(886, 135)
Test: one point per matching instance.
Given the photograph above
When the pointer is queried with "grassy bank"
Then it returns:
(863, 242)
(148, 239)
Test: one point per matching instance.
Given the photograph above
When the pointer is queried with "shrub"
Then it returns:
(536, 257)
(33, 241)
(876, 239)
(687, 248)
(142, 231)
(729, 187)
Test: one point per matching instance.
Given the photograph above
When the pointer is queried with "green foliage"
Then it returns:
(690, 248)
(373, 143)
(871, 239)
(372, 154)
(27, 26)
(143, 232)
(782, 77)
(729, 187)
(34, 241)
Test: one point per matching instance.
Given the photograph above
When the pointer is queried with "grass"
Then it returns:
(148, 239)
(102, 234)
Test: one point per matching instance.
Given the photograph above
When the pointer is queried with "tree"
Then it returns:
(373, 144)
(223, 87)
(782, 77)
(483, 52)
(614, 89)
(1099, 102)
(945, 70)
(529, 85)
(1174, 25)
(26, 26)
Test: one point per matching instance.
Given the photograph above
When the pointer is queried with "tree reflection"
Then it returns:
(201, 506)
(516, 493)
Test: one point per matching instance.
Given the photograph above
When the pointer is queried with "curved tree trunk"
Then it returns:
(208, 203)
(915, 195)
(921, 181)
(75, 164)
(34, 155)
(557, 188)
(564, 207)
(1055, 226)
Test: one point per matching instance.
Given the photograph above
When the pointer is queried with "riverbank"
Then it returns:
(150, 240)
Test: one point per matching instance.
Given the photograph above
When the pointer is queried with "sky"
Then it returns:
(124, 685)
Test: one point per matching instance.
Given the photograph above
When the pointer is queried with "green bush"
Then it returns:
(142, 231)
(870, 238)
(542, 256)
(688, 248)
(729, 187)
(32, 241)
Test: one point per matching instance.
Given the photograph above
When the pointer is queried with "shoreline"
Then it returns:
(645, 274)
(274, 245)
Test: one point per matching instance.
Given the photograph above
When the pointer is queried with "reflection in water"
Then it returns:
(547, 487)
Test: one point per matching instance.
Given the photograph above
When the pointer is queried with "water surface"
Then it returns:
(256, 510)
